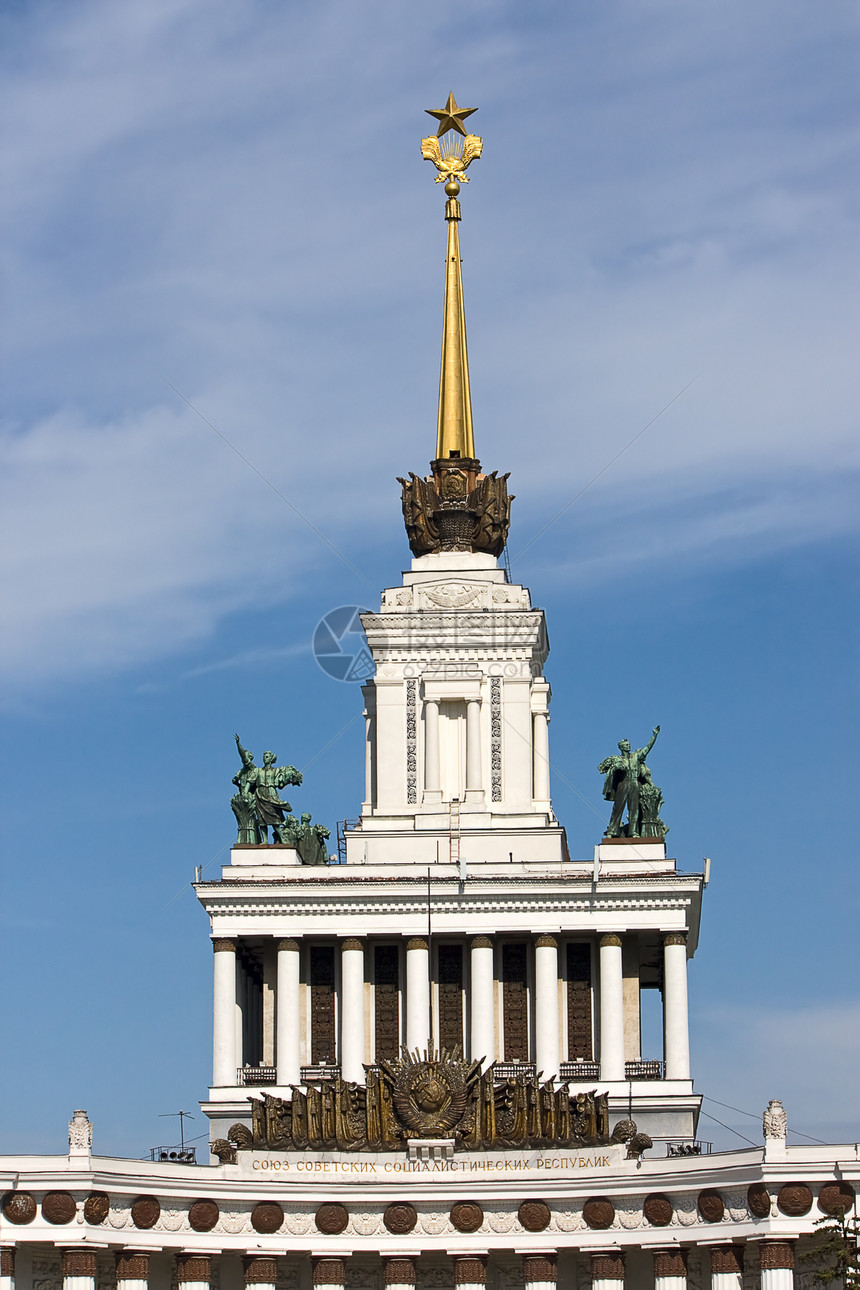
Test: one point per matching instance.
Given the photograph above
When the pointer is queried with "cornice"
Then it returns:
(326, 906)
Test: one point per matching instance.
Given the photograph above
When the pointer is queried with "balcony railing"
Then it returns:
(644, 1070)
(252, 1075)
(576, 1071)
(323, 1070)
(174, 1155)
(689, 1148)
(510, 1070)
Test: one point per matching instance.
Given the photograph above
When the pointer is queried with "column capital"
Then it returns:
(776, 1254)
(470, 1269)
(481, 943)
(675, 938)
(79, 1263)
(607, 1266)
(539, 1267)
(260, 1269)
(670, 1263)
(434, 699)
(398, 1271)
(727, 1258)
(131, 1266)
(416, 943)
(289, 944)
(7, 1261)
(329, 1271)
(352, 943)
(546, 942)
(223, 945)
(610, 938)
(192, 1267)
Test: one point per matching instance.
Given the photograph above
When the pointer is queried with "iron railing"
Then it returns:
(644, 1070)
(579, 1070)
(248, 1076)
(323, 1070)
(689, 1148)
(174, 1155)
(342, 827)
(510, 1070)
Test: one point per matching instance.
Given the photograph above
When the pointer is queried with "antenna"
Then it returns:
(183, 1116)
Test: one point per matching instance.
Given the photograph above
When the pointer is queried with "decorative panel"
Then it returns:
(579, 1042)
(322, 1004)
(451, 997)
(515, 1002)
(387, 975)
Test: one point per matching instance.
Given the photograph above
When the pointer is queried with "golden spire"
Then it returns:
(454, 435)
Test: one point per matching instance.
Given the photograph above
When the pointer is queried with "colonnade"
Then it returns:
(479, 1000)
(474, 785)
(773, 1259)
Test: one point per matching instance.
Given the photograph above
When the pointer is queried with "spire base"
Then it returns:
(456, 508)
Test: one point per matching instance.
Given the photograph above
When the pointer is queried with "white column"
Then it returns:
(727, 1267)
(79, 1269)
(352, 1010)
(398, 1273)
(432, 780)
(224, 1055)
(417, 994)
(607, 1270)
(368, 759)
(676, 1030)
(540, 778)
(540, 1271)
(261, 1272)
(473, 749)
(288, 1029)
(776, 1259)
(7, 1267)
(546, 1006)
(611, 1009)
(482, 1030)
(132, 1270)
(670, 1269)
(193, 1271)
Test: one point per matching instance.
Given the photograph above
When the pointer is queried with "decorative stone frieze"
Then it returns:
(131, 1266)
(400, 1218)
(776, 1254)
(193, 1268)
(96, 1207)
(19, 1207)
(534, 1215)
(79, 1263)
(794, 1199)
(670, 1263)
(836, 1198)
(267, 1217)
(496, 738)
(598, 1213)
(412, 742)
(758, 1200)
(329, 1272)
(466, 1216)
(59, 1207)
(727, 1258)
(332, 1219)
(710, 1205)
(658, 1210)
(145, 1212)
(203, 1215)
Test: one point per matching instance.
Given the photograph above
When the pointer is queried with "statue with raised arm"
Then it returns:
(257, 806)
(622, 785)
(244, 801)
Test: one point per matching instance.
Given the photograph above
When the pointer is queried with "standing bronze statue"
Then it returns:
(256, 805)
(622, 786)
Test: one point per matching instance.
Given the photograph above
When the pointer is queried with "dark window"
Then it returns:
(579, 1003)
(387, 1010)
(451, 997)
(322, 1004)
(515, 1002)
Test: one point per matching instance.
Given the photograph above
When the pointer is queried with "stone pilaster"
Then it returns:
(330, 1273)
(261, 1272)
(546, 1006)
(540, 1271)
(482, 1037)
(417, 994)
(352, 1010)
(398, 1273)
(611, 1009)
(193, 1271)
(670, 1269)
(432, 777)
(225, 1058)
(727, 1267)
(470, 1270)
(776, 1260)
(7, 1267)
(474, 762)
(607, 1270)
(79, 1269)
(675, 1019)
(132, 1270)
(540, 772)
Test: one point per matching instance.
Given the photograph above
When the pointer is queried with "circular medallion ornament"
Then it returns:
(599, 1213)
(794, 1200)
(59, 1207)
(96, 1207)
(331, 1219)
(710, 1205)
(430, 1097)
(758, 1200)
(836, 1198)
(658, 1210)
(203, 1215)
(145, 1212)
(466, 1216)
(534, 1215)
(400, 1219)
(267, 1217)
(19, 1207)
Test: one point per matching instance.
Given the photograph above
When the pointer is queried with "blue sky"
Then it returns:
(228, 198)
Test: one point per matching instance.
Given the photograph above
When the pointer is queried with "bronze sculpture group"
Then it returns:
(258, 808)
(628, 784)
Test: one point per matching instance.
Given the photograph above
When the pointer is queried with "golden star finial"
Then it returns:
(450, 117)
